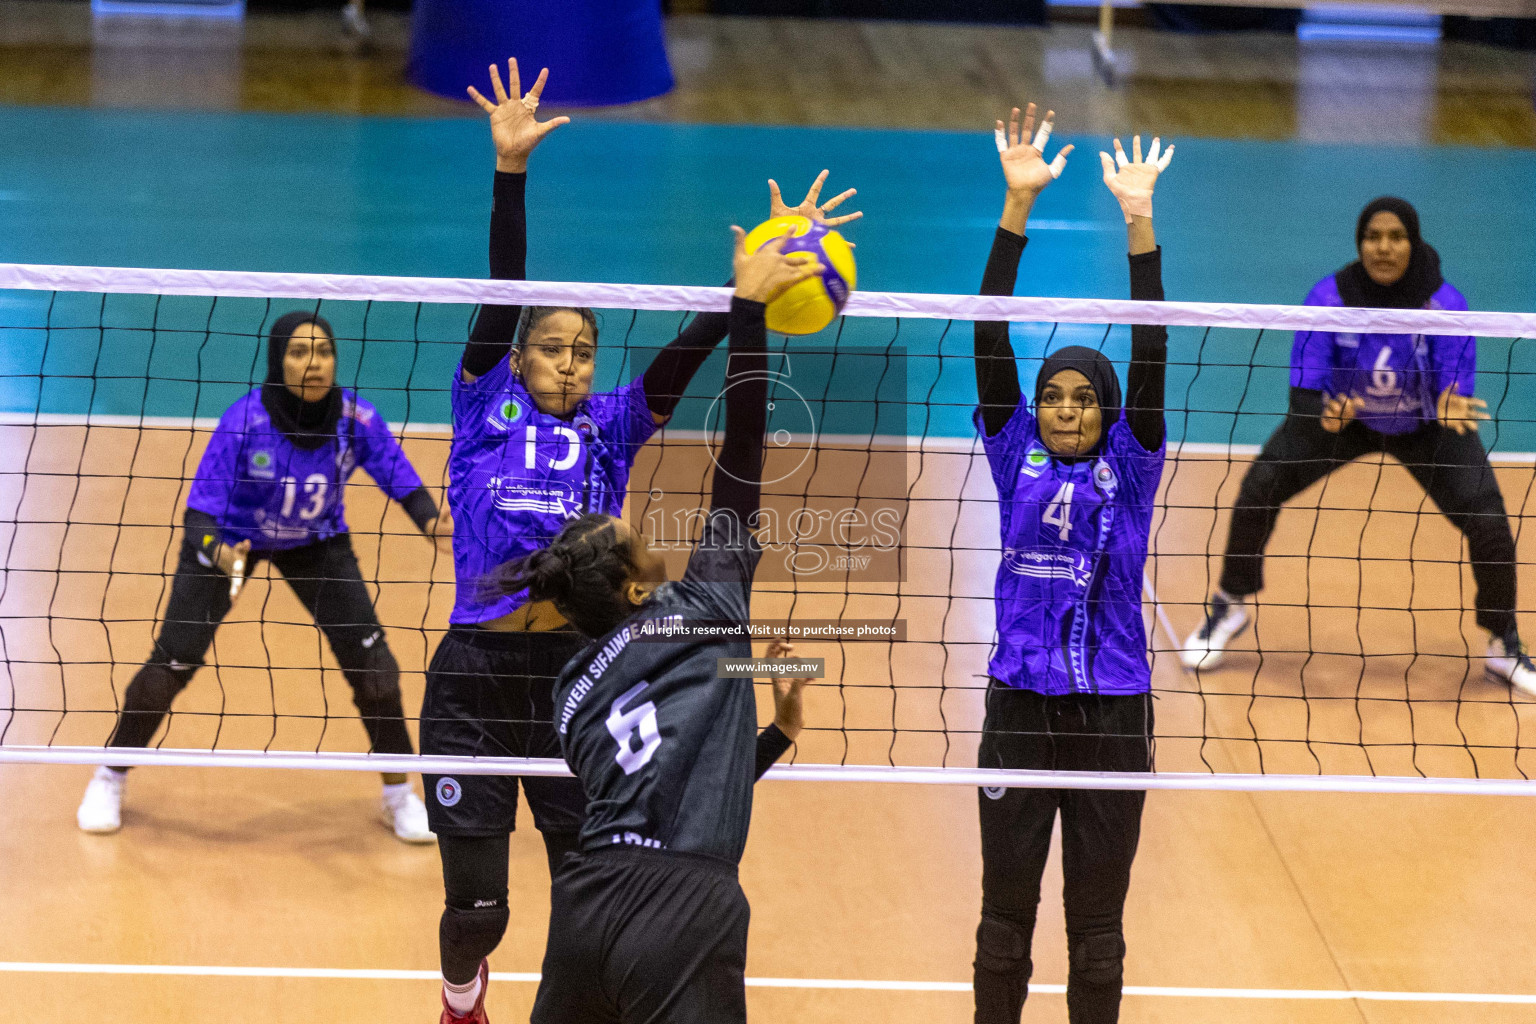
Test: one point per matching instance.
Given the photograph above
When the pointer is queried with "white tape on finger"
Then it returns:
(1002, 140)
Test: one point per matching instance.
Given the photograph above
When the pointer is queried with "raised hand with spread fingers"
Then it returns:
(514, 128)
(1023, 158)
(1132, 179)
(1024, 166)
(808, 207)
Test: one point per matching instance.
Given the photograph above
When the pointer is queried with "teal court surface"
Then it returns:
(1239, 222)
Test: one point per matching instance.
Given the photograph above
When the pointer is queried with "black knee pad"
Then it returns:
(1002, 946)
(1098, 959)
(373, 673)
(468, 934)
(182, 668)
(156, 685)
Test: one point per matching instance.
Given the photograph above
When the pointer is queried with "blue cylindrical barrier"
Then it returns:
(598, 52)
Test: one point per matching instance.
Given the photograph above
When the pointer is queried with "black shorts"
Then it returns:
(644, 937)
(492, 694)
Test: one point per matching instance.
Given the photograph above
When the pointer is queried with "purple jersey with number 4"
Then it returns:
(517, 475)
(263, 489)
(1397, 377)
(1068, 592)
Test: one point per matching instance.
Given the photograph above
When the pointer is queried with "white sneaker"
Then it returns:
(1207, 646)
(1508, 663)
(101, 809)
(402, 811)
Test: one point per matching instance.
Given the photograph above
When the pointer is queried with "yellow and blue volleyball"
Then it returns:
(812, 304)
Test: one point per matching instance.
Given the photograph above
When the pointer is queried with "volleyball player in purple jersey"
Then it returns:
(533, 448)
(1070, 682)
(269, 488)
(1409, 396)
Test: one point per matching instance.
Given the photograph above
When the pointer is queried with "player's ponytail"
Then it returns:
(582, 573)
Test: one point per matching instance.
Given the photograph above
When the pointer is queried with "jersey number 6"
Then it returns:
(623, 725)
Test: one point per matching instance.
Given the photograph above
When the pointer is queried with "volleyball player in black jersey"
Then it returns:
(647, 920)
(534, 445)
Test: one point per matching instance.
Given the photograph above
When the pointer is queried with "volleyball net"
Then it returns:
(1363, 669)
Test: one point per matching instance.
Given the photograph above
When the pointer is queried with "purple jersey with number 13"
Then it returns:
(263, 489)
(517, 475)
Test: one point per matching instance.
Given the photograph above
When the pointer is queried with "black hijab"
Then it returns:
(305, 424)
(1094, 365)
(1420, 281)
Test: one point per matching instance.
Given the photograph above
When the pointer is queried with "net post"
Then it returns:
(1103, 45)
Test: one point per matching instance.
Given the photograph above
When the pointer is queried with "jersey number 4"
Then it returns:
(624, 724)
(1059, 512)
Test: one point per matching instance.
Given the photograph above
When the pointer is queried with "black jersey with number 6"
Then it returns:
(665, 748)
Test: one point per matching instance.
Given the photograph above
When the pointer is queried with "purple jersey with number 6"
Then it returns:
(263, 489)
(517, 475)
(1068, 592)
(1397, 377)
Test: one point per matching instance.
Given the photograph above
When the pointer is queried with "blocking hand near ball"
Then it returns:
(766, 273)
(805, 232)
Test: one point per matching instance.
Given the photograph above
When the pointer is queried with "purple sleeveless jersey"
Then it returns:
(265, 490)
(1397, 377)
(517, 475)
(1068, 592)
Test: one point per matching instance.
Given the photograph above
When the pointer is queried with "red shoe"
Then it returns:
(476, 1015)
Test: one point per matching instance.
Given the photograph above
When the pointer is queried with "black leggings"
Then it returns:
(1100, 830)
(326, 579)
(1452, 468)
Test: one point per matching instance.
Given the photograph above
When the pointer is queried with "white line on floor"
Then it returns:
(371, 974)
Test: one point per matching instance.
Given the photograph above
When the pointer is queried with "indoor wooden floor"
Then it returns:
(852, 883)
(855, 885)
(843, 73)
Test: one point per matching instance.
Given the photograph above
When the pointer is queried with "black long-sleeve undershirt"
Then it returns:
(495, 328)
(739, 468)
(1144, 383)
(667, 377)
(490, 340)
(771, 744)
(997, 374)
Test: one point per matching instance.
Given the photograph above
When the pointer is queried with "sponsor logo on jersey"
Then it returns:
(357, 412)
(274, 529)
(261, 465)
(448, 791)
(1045, 564)
(1035, 462)
(1104, 476)
(511, 495)
(506, 414)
